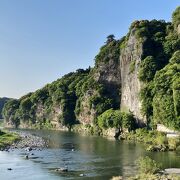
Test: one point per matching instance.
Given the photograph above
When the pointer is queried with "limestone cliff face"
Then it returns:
(87, 113)
(119, 75)
(106, 76)
(53, 115)
(108, 73)
(130, 59)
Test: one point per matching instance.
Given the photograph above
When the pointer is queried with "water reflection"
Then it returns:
(93, 157)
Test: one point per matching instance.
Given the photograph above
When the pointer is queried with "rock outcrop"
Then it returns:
(130, 59)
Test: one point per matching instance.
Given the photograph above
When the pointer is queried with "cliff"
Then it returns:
(137, 75)
(130, 59)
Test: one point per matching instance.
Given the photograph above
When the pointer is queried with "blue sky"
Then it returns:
(41, 40)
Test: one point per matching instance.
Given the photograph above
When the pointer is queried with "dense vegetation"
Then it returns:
(2, 103)
(160, 71)
(93, 91)
(116, 118)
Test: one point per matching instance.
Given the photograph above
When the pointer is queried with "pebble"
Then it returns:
(29, 142)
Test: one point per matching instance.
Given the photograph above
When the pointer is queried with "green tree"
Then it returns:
(148, 68)
(110, 38)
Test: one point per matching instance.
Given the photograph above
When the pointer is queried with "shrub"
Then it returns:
(173, 143)
(116, 118)
(147, 165)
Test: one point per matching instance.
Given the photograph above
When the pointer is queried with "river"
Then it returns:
(87, 157)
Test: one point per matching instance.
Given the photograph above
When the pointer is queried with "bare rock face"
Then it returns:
(40, 111)
(130, 59)
(108, 73)
(87, 113)
(54, 116)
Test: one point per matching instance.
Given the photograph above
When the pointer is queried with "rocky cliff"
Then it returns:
(130, 59)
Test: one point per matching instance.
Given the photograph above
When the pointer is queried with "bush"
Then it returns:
(147, 165)
(115, 118)
(173, 143)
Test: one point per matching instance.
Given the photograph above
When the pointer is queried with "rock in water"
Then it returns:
(28, 149)
(62, 169)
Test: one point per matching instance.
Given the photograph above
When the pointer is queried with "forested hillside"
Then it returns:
(135, 82)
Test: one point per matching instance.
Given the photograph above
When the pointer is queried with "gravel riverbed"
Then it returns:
(28, 141)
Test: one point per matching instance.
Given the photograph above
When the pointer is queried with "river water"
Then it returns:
(86, 157)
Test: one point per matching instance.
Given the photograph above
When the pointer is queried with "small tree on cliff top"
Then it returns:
(110, 38)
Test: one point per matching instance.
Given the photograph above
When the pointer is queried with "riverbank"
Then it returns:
(7, 139)
(29, 141)
(153, 140)
(19, 140)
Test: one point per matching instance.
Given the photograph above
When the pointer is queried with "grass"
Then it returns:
(7, 138)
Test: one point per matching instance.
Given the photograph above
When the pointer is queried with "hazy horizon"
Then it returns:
(43, 40)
